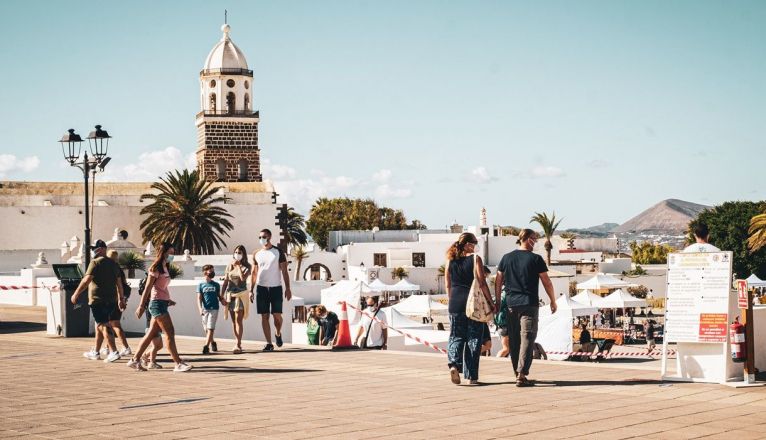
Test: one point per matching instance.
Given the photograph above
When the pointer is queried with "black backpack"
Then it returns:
(142, 285)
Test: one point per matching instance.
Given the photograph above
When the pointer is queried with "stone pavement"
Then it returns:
(48, 390)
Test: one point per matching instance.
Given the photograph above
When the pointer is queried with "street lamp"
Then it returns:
(71, 146)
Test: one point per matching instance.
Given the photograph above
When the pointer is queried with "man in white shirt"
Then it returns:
(374, 329)
(268, 272)
(701, 234)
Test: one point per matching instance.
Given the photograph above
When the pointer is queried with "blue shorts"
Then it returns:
(158, 307)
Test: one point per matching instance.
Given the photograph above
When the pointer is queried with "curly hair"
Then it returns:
(457, 249)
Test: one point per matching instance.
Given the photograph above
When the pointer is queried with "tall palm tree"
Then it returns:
(300, 254)
(295, 228)
(757, 232)
(184, 211)
(549, 225)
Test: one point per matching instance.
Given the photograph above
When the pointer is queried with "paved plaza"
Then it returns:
(50, 391)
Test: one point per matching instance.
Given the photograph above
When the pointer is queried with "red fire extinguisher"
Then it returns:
(737, 339)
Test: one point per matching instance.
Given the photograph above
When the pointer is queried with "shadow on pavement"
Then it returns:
(586, 383)
(206, 369)
(21, 327)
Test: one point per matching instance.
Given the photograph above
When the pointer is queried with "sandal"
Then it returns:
(523, 382)
(237, 350)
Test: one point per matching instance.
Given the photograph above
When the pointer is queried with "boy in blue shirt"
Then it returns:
(208, 297)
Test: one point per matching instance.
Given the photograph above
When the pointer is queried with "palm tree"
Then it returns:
(549, 225)
(132, 261)
(295, 228)
(300, 254)
(184, 212)
(757, 232)
(399, 273)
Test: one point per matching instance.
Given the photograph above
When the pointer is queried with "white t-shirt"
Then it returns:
(269, 273)
(700, 247)
(375, 338)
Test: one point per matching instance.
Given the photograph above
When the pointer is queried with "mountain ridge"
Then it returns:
(670, 215)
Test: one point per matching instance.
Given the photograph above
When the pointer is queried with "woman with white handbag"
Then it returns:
(468, 295)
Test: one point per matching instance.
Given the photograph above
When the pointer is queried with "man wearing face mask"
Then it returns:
(269, 271)
(372, 333)
(103, 281)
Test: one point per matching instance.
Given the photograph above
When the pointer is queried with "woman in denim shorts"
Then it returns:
(157, 285)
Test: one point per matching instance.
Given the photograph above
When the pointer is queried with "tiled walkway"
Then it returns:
(48, 390)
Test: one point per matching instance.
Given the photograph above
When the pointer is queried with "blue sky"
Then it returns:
(594, 109)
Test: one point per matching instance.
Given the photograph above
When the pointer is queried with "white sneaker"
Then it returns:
(105, 351)
(113, 356)
(136, 365)
(125, 352)
(92, 355)
(181, 368)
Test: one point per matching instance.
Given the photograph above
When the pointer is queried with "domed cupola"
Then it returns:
(225, 80)
(225, 56)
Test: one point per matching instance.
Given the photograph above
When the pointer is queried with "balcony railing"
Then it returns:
(227, 71)
(237, 113)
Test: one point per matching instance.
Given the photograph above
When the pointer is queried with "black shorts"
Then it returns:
(268, 299)
(101, 312)
(116, 314)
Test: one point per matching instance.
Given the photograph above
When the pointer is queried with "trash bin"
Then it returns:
(75, 318)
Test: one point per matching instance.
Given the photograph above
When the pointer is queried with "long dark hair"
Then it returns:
(157, 265)
(244, 261)
(457, 249)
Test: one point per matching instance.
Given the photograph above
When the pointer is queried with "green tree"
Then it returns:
(342, 214)
(174, 271)
(295, 228)
(186, 212)
(757, 231)
(300, 254)
(549, 225)
(649, 253)
(568, 235)
(729, 225)
(399, 273)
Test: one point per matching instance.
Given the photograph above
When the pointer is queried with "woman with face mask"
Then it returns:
(155, 300)
(235, 291)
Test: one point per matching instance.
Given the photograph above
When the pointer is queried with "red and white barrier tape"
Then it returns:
(569, 353)
(52, 288)
(406, 335)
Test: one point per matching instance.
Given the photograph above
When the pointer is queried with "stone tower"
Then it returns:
(227, 126)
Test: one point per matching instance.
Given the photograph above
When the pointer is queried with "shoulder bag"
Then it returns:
(478, 307)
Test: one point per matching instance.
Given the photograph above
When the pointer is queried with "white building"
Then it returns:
(39, 216)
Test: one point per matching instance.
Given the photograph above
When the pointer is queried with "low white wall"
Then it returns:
(310, 291)
(22, 297)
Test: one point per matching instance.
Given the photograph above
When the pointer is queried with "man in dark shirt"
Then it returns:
(103, 279)
(328, 326)
(520, 273)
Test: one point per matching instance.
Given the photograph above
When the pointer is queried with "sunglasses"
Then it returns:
(263, 236)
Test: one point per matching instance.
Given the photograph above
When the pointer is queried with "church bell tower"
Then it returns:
(227, 126)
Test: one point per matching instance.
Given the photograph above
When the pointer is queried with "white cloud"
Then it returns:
(382, 176)
(150, 166)
(9, 163)
(547, 171)
(481, 175)
(276, 172)
(386, 191)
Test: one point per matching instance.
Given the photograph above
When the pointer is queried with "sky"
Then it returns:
(593, 109)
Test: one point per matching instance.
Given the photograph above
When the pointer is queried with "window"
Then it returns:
(220, 166)
(212, 102)
(231, 102)
(212, 83)
(247, 102)
(230, 83)
(379, 260)
(418, 259)
(242, 165)
(247, 85)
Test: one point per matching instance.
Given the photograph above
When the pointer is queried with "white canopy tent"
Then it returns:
(420, 305)
(601, 282)
(555, 330)
(349, 291)
(620, 299)
(396, 319)
(588, 298)
(754, 281)
(380, 286)
(405, 286)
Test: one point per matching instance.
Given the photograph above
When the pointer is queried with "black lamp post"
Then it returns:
(71, 145)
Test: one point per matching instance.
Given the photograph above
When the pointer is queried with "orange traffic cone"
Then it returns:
(344, 332)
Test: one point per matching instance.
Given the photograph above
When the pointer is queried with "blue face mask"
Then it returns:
(169, 259)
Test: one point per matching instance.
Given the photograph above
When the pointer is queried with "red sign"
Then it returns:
(742, 294)
(713, 327)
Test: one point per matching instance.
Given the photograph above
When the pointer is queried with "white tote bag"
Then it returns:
(478, 307)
